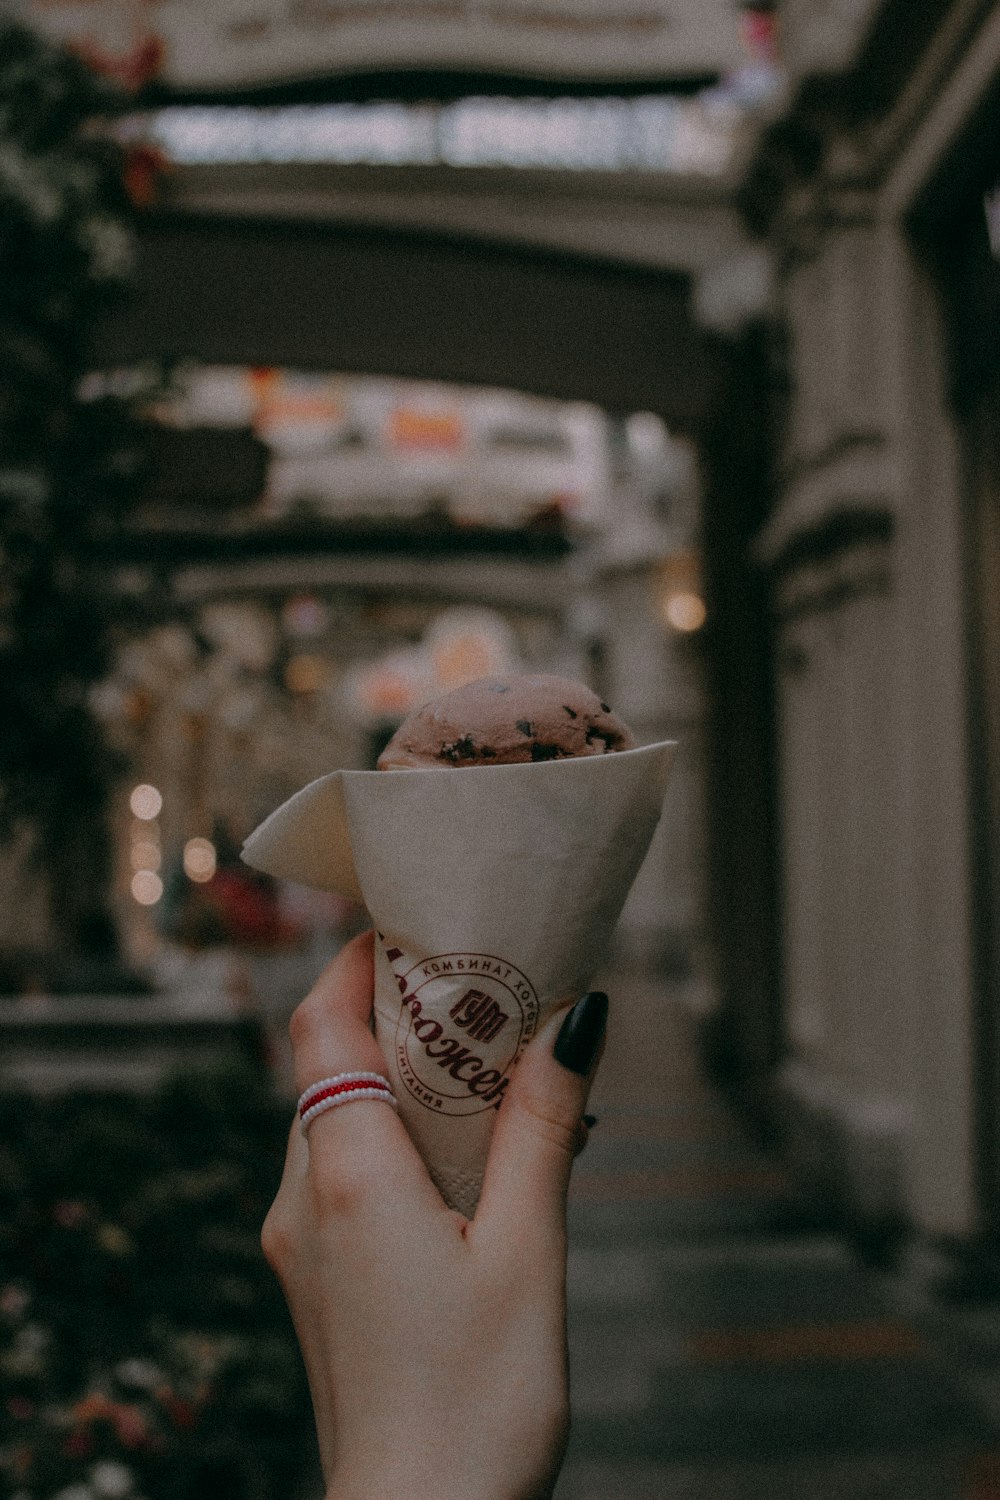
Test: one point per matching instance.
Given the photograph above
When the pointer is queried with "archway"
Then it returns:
(416, 305)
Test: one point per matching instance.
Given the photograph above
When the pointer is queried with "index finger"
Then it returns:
(360, 1152)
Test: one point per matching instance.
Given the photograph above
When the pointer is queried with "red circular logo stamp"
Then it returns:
(465, 1019)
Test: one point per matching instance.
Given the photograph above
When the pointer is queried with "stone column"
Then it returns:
(930, 672)
(863, 553)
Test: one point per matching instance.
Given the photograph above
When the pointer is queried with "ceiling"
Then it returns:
(240, 44)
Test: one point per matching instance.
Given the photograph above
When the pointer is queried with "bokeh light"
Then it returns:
(145, 802)
(199, 860)
(145, 855)
(305, 674)
(147, 887)
(305, 616)
(685, 612)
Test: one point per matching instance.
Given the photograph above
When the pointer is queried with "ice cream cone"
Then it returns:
(494, 896)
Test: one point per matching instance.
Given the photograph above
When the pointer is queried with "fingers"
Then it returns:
(538, 1130)
(583, 1134)
(288, 1239)
(359, 1151)
(330, 1029)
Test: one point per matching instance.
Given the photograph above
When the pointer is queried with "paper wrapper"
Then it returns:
(494, 892)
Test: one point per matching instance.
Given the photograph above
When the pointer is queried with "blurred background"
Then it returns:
(354, 351)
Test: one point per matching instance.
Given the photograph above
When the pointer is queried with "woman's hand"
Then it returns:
(435, 1347)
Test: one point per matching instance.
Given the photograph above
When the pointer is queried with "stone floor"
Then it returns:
(720, 1346)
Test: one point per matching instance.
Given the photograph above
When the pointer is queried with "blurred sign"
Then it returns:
(235, 43)
(412, 428)
(352, 446)
(296, 410)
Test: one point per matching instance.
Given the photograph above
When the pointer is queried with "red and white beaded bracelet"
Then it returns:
(342, 1088)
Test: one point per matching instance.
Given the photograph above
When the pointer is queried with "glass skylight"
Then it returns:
(658, 133)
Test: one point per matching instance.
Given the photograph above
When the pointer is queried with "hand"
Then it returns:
(435, 1346)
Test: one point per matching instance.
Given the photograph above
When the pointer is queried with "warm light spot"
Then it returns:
(387, 693)
(685, 612)
(147, 887)
(305, 674)
(199, 859)
(145, 855)
(462, 659)
(145, 802)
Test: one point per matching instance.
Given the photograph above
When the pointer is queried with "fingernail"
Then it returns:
(580, 1034)
(590, 1121)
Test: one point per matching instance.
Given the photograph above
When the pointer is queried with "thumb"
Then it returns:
(538, 1128)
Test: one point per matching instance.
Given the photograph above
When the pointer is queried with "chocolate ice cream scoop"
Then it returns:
(501, 721)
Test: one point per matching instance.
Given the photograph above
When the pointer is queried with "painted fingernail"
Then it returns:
(580, 1034)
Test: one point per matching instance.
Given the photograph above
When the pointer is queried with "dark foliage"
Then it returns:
(69, 467)
(139, 1324)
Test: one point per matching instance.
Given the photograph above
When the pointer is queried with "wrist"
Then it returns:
(405, 1487)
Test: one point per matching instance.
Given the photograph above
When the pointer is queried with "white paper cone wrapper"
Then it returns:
(494, 892)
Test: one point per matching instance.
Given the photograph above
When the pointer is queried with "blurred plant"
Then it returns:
(69, 467)
(145, 1350)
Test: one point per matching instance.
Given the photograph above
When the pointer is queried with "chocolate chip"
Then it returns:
(525, 726)
(461, 749)
(545, 752)
(571, 711)
(606, 707)
(593, 735)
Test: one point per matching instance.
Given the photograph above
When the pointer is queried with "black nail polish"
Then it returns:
(580, 1034)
